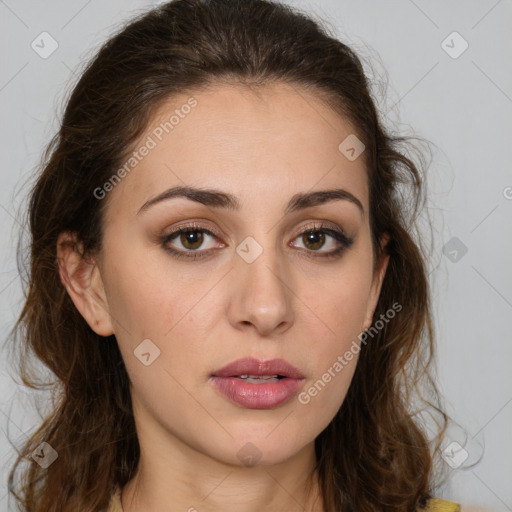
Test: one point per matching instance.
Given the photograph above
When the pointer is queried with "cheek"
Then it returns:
(339, 305)
(339, 299)
(168, 309)
(138, 303)
(335, 353)
(146, 295)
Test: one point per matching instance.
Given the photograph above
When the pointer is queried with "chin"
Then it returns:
(259, 450)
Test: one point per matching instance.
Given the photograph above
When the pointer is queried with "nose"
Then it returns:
(262, 296)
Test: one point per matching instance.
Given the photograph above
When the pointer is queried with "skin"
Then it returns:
(290, 303)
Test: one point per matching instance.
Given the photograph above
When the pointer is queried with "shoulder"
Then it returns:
(115, 501)
(439, 505)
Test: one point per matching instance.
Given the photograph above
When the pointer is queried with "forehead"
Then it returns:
(278, 139)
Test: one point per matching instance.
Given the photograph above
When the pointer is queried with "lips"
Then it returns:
(252, 367)
(255, 384)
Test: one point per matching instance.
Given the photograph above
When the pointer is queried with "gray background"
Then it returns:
(462, 105)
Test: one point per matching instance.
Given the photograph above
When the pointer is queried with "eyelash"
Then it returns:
(338, 235)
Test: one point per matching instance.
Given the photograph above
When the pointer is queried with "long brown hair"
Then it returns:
(375, 454)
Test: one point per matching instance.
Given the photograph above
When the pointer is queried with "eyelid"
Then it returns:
(321, 225)
(335, 232)
(191, 226)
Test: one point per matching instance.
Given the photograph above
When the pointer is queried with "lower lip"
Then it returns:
(257, 396)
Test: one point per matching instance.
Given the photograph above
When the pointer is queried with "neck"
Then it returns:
(185, 480)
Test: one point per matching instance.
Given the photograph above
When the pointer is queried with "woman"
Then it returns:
(224, 279)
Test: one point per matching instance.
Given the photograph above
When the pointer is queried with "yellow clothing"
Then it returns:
(115, 501)
(438, 505)
(434, 505)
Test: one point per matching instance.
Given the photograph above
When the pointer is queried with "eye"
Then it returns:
(192, 239)
(315, 238)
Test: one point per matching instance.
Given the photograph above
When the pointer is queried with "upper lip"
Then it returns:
(252, 366)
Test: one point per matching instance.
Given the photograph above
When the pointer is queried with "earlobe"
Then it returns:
(82, 279)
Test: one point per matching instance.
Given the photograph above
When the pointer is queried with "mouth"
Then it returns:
(251, 368)
(260, 379)
(255, 384)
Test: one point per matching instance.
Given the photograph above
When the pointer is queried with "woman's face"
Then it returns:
(248, 282)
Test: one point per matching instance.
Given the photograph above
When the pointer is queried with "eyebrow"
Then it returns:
(219, 199)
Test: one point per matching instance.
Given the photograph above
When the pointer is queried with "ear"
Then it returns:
(378, 278)
(82, 280)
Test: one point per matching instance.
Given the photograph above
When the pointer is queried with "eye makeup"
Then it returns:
(317, 234)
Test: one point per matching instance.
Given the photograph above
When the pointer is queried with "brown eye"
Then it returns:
(313, 239)
(189, 242)
(191, 239)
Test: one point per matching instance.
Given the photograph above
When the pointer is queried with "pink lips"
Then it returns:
(258, 384)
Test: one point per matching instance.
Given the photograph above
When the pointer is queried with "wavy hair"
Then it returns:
(375, 455)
